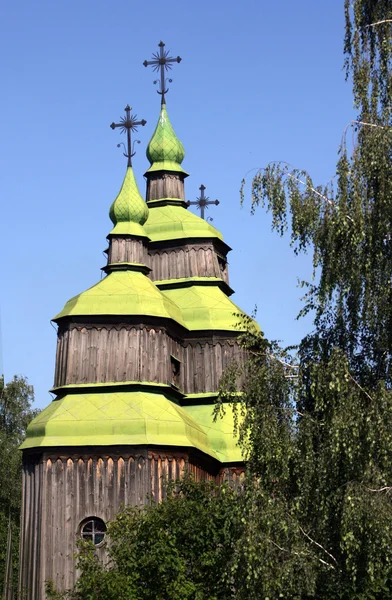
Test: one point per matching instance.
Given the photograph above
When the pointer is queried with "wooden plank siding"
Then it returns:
(63, 488)
(126, 249)
(119, 353)
(188, 260)
(166, 185)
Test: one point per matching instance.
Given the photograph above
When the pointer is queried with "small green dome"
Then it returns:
(165, 151)
(129, 206)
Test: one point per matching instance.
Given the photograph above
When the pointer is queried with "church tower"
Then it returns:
(139, 359)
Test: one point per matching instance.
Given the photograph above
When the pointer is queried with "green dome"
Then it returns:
(129, 211)
(165, 151)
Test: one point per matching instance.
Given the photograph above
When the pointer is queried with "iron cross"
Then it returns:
(127, 124)
(202, 202)
(161, 61)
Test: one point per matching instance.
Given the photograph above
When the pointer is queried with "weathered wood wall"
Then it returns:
(118, 353)
(204, 363)
(165, 185)
(126, 249)
(31, 530)
(188, 260)
(61, 489)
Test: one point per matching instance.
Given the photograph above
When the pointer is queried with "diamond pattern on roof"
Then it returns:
(123, 293)
(205, 308)
(219, 431)
(129, 205)
(103, 418)
(176, 222)
(164, 144)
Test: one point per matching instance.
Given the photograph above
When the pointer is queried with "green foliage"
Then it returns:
(317, 508)
(179, 550)
(320, 444)
(16, 398)
(348, 225)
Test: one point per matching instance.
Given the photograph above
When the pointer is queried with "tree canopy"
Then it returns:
(347, 223)
(318, 430)
(16, 398)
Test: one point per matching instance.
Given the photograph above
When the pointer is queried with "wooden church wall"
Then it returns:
(30, 530)
(204, 363)
(166, 185)
(189, 260)
(110, 353)
(126, 249)
(61, 490)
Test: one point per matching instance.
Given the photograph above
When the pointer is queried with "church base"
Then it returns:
(62, 489)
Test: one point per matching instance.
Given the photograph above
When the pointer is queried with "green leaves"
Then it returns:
(16, 398)
(182, 549)
(333, 448)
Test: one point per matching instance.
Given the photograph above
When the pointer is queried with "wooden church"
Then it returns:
(139, 359)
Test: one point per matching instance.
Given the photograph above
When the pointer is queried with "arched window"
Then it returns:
(93, 529)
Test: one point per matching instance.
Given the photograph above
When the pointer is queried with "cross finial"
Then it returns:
(161, 61)
(202, 202)
(127, 124)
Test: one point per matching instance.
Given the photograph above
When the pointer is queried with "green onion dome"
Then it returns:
(129, 211)
(165, 152)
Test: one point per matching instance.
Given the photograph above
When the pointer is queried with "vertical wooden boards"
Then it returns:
(125, 249)
(187, 260)
(120, 353)
(165, 185)
(60, 491)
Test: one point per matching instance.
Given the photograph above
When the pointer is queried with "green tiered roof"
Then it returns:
(131, 418)
(126, 415)
(122, 293)
(176, 222)
(165, 151)
(172, 221)
(115, 418)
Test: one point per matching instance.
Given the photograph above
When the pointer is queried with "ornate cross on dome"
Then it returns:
(202, 202)
(162, 62)
(127, 124)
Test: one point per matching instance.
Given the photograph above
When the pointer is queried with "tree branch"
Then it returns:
(282, 362)
(318, 545)
(299, 180)
(379, 23)
(324, 562)
(387, 489)
(360, 387)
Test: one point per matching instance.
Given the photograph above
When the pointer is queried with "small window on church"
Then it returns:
(175, 371)
(222, 264)
(94, 530)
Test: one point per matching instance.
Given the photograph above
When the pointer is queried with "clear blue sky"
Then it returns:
(259, 81)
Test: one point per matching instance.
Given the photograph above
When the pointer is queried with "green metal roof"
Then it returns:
(220, 432)
(165, 151)
(116, 418)
(205, 307)
(176, 222)
(129, 211)
(122, 293)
